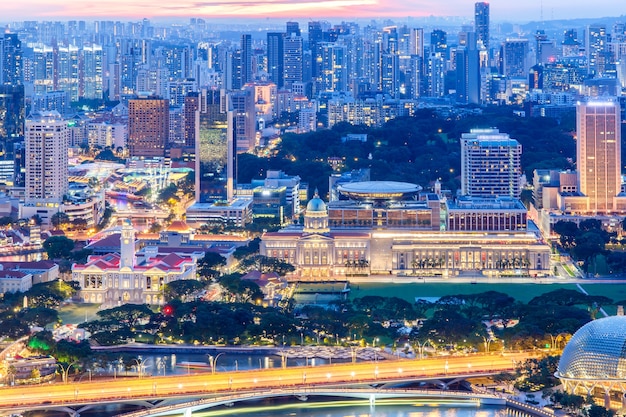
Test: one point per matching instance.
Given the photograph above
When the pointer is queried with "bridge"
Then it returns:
(370, 394)
(77, 397)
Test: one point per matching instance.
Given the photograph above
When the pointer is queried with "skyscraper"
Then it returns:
(598, 153)
(148, 126)
(10, 60)
(246, 59)
(275, 57)
(490, 164)
(481, 23)
(292, 62)
(514, 58)
(468, 77)
(596, 46)
(46, 142)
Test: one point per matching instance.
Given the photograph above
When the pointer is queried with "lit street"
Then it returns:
(207, 383)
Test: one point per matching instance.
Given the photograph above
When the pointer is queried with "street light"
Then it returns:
(65, 370)
(139, 362)
(213, 361)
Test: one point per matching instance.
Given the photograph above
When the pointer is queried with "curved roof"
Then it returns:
(597, 351)
(378, 190)
(316, 204)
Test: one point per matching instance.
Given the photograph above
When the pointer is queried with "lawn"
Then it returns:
(77, 313)
(521, 292)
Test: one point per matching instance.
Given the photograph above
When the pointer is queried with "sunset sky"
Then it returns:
(511, 10)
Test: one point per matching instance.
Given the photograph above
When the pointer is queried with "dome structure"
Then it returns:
(316, 204)
(594, 360)
(316, 216)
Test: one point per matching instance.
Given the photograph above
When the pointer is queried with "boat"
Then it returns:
(193, 365)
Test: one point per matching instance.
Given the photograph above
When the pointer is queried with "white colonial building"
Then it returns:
(386, 229)
(114, 279)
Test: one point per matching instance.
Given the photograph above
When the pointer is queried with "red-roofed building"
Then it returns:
(117, 278)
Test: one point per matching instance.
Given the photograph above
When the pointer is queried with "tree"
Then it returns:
(58, 247)
(209, 265)
(181, 289)
(39, 316)
(127, 314)
(59, 219)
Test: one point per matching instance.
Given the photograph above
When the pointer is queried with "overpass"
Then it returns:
(77, 397)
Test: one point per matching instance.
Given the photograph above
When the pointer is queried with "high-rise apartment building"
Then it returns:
(481, 23)
(10, 60)
(46, 141)
(598, 153)
(148, 126)
(490, 164)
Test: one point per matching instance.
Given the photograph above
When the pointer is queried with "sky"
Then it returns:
(501, 10)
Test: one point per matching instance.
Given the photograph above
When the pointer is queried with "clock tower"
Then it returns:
(127, 253)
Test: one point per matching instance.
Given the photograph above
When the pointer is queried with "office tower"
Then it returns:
(535, 77)
(570, 45)
(275, 58)
(293, 28)
(598, 153)
(215, 153)
(514, 58)
(481, 23)
(468, 77)
(91, 74)
(10, 60)
(191, 118)
(148, 126)
(596, 48)
(490, 164)
(439, 42)
(316, 36)
(12, 113)
(247, 72)
(46, 141)
(244, 119)
(333, 74)
(292, 59)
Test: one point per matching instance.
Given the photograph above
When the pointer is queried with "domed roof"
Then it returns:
(316, 204)
(597, 351)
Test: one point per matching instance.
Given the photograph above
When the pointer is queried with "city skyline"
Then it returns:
(302, 9)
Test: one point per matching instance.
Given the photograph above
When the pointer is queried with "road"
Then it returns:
(114, 390)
